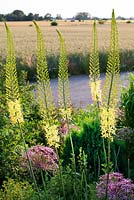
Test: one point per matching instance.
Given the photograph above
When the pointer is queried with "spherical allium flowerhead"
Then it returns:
(118, 187)
(41, 157)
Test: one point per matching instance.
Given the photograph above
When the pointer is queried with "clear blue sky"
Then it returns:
(68, 8)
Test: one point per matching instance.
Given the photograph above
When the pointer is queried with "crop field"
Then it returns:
(77, 36)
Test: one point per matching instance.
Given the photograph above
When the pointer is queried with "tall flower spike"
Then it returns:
(110, 90)
(45, 96)
(94, 69)
(12, 88)
(63, 80)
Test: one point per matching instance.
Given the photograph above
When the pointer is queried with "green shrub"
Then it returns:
(82, 190)
(101, 21)
(90, 140)
(126, 135)
(13, 190)
(54, 23)
(127, 102)
(128, 22)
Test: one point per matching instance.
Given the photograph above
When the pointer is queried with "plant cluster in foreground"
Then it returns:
(118, 187)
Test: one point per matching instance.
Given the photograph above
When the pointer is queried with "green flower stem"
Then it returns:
(44, 185)
(73, 154)
(61, 175)
(104, 148)
(29, 161)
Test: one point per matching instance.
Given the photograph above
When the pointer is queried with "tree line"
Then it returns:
(19, 15)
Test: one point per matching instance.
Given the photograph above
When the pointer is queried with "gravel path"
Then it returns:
(79, 88)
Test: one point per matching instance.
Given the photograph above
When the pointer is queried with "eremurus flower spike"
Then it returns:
(12, 88)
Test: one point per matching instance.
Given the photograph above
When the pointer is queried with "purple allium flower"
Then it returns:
(119, 188)
(64, 128)
(41, 158)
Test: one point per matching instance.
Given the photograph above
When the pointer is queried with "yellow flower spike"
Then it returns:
(52, 136)
(95, 90)
(94, 69)
(108, 123)
(111, 86)
(44, 91)
(12, 88)
(14, 108)
(64, 99)
(66, 113)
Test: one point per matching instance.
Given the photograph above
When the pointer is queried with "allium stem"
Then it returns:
(108, 169)
(29, 161)
(44, 185)
(128, 168)
(61, 177)
(104, 148)
(73, 154)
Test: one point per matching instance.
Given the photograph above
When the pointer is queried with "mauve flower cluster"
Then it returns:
(64, 128)
(119, 188)
(41, 158)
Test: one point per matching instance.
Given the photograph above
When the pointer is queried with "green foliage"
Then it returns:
(45, 97)
(90, 140)
(3, 107)
(10, 151)
(83, 190)
(63, 81)
(54, 23)
(28, 100)
(13, 190)
(11, 144)
(127, 132)
(127, 102)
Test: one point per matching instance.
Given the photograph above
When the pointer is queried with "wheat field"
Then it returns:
(77, 36)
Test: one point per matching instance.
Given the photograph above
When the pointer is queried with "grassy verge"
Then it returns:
(78, 63)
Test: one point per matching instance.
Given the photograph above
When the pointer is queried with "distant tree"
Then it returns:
(58, 17)
(48, 17)
(36, 17)
(95, 18)
(16, 15)
(2, 17)
(120, 18)
(40, 18)
(30, 17)
(81, 16)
